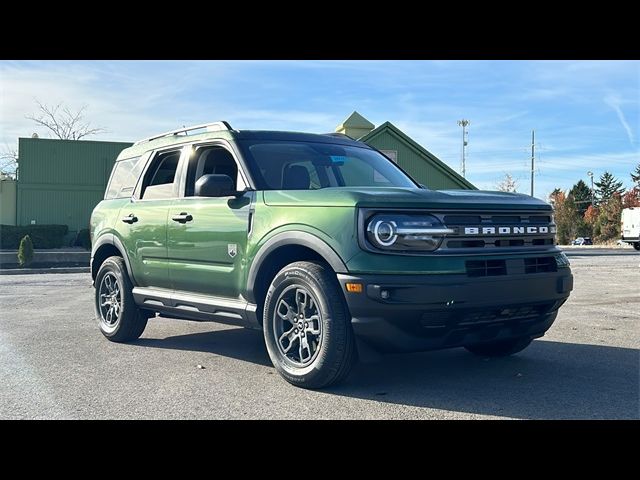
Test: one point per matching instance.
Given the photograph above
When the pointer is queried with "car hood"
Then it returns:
(377, 197)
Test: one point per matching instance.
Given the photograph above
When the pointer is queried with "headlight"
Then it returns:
(405, 232)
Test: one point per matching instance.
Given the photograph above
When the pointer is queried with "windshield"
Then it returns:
(289, 165)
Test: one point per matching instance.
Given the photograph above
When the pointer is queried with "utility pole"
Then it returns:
(592, 191)
(463, 123)
(533, 158)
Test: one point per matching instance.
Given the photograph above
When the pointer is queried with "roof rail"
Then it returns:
(211, 127)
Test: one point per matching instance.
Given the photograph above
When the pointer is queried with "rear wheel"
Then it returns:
(636, 245)
(307, 326)
(501, 348)
(119, 318)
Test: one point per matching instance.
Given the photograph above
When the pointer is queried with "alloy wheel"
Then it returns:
(298, 326)
(110, 298)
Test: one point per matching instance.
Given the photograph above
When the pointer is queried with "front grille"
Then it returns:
(486, 268)
(518, 242)
(452, 220)
(508, 230)
(465, 244)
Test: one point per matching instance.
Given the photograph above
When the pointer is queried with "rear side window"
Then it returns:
(124, 178)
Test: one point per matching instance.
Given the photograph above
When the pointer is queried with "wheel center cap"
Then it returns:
(300, 325)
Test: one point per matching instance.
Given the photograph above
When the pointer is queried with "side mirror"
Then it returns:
(215, 186)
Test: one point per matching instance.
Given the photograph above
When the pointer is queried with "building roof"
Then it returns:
(355, 120)
(435, 162)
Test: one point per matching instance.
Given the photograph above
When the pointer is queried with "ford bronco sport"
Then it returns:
(318, 240)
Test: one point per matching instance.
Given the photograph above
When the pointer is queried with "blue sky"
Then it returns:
(586, 114)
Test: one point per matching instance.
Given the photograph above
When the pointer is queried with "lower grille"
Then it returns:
(501, 314)
(486, 268)
(518, 266)
(540, 265)
(481, 317)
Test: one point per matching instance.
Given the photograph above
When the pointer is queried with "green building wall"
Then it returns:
(7, 201)
(61, 181)
(411, 157)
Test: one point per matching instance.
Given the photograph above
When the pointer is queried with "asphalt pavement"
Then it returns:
(54, 363)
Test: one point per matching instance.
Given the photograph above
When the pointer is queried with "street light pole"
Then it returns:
(463, 123)
(591, 175)
(533, 158)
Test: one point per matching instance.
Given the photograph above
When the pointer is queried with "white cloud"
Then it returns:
(614, 102)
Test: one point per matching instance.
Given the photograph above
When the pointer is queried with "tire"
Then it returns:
(636, 246)
(318, 349)
(502, 348)
(126, 321)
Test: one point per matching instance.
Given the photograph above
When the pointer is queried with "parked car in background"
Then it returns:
(582, 241)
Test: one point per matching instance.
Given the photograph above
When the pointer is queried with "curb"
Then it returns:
(32, 271)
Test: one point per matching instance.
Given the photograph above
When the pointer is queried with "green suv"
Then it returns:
(324, 244)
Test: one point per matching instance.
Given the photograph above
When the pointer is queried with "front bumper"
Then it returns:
(428, 312)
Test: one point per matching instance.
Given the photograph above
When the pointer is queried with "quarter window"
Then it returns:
(391, 155)
(124, 178)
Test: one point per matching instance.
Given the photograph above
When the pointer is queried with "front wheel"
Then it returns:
(636, 245)
(500, 348)
(307, 326)
(118, 316)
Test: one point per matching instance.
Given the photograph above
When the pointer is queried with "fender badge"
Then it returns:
(232, 249)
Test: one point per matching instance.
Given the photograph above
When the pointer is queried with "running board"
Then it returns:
(197, 307)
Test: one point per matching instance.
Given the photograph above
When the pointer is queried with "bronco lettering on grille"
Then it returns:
(508, 230)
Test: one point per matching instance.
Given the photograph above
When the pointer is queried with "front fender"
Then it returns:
(292, 237)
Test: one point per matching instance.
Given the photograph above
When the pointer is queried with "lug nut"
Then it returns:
(295, 330)
(306, 324)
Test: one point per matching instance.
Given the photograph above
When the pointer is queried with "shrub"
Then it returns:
(83, 239)
(42, 236)
(25, 252)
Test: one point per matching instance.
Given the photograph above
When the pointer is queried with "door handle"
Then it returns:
(184, 217)
(131, 218)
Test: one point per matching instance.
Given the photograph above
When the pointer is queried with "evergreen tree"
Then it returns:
(607, 187)
(25, 251)
(581, 195)
(635, 176)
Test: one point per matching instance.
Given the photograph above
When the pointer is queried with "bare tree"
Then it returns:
(63, 122)
(507, 184)
(8, 161)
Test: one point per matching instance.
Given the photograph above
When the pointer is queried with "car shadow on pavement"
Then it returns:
(548, 380)
(240, 343)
